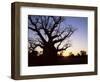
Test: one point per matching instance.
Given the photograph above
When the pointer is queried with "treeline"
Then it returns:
(35, 59)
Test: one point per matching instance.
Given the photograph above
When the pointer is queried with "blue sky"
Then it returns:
(80, 37)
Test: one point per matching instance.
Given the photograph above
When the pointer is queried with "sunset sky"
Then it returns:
(79, 39)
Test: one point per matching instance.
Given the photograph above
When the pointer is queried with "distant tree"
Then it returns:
(83, 53)
(71, 54)
(50, 33)
(61, 53)
(78, 54)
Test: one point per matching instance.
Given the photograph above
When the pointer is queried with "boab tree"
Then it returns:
(50, 33)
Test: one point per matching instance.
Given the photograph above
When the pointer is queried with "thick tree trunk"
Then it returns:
(50, 54)
(49, 51)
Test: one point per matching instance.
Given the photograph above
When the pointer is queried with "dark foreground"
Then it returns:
(59, 60)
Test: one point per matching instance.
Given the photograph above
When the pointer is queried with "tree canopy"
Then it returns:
(50, 33)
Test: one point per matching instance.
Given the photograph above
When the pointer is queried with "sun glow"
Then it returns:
(66, 53)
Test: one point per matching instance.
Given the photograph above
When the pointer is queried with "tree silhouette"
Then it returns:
(31, 48)
(83, 53)
(71, 54)
(78, 54)
(50, 33)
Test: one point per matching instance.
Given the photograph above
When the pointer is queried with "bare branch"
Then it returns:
(33, 44)
(68, 34)
(32, 21)
(56, 22)
(67, 45)
(36, 30)
(59, 45)
(32, 29)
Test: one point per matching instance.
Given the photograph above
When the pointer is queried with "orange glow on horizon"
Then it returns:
(66, 53)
